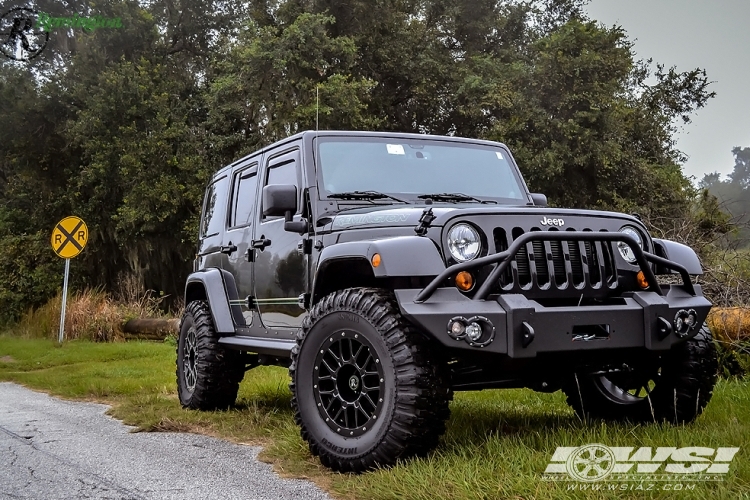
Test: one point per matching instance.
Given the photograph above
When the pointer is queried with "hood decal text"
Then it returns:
(362, 219)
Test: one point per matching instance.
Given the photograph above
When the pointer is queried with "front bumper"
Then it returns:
(520, 327)
(524, 328)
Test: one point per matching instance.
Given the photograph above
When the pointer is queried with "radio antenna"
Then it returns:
(317, 108)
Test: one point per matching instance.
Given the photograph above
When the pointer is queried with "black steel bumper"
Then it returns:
(521, 328)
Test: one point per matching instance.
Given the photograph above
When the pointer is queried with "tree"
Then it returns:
(124, 126)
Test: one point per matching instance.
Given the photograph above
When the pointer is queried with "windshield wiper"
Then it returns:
(453, 197)
(364, 195)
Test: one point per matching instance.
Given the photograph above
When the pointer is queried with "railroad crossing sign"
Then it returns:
(69, 237)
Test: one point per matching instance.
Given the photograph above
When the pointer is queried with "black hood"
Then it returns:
(408, 215)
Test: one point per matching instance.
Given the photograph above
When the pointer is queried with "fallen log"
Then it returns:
(730, 324)
(150, 328)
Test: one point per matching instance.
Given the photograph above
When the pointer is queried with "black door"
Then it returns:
(239, 234)
(280, 268)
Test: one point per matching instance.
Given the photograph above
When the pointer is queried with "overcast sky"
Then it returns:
(714, 35)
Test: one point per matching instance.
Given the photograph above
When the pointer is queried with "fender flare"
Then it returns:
(399, 256)
(679, 253)
(218, 288)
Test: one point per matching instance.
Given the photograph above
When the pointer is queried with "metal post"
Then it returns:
(64, 301)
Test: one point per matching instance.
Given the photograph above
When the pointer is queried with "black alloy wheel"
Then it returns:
(350, 383)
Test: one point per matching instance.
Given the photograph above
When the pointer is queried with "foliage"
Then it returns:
(734, 194)
(124, 127)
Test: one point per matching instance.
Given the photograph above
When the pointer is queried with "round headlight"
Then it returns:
(463, 242)
(626, 252)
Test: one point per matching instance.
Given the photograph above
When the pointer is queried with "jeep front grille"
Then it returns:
(561, 265)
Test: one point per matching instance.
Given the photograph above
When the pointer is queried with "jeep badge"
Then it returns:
(552, 222)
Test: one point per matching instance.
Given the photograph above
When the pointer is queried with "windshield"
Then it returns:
(414, 167)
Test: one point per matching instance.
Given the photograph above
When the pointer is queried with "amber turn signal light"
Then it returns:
(375, 260)
(642, 281)
(464, 281)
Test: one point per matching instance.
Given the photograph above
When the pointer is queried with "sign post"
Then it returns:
(61, 334)
(68, 239)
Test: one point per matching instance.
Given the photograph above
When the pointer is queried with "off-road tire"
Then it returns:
(683, 387)
(218, 371)
(416, 388)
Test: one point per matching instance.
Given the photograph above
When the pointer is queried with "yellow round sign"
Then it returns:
(69, 237)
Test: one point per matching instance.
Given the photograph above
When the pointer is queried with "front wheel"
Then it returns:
(367, 387)
(676, 389)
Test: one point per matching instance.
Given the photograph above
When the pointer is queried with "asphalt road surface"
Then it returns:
(52, 449)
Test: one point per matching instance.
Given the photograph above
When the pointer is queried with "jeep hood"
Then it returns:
(409, 215)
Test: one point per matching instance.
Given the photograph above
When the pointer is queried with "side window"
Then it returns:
(283, 170)
(214, 207)
(283, 173)
(243, 198)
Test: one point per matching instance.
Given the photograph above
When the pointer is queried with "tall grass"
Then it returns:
(91, 315)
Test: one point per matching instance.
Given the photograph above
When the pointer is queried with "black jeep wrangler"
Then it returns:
(389, 270)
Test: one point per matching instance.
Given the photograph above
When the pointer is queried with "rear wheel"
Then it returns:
(208, 375)
(676, 389)
(367, 387)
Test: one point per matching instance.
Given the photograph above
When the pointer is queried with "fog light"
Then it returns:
(464, 281)
(474, 332)
(457, 328)
(642, 281)
(681, 323)
(692, 318)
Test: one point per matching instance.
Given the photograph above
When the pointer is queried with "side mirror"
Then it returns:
(281, 199)
(539, 199)
(278, 199)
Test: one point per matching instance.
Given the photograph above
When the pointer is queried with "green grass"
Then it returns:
(497, 445)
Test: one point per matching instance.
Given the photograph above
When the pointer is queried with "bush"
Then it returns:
(91, 314)
(30, 273)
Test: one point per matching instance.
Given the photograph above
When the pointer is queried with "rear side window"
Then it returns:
(243, 199)
(214, 207)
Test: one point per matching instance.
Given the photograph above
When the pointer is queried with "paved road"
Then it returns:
(52, 449)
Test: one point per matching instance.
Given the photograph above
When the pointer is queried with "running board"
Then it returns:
(270, 347)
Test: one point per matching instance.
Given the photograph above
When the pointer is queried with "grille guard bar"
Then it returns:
(504, 258)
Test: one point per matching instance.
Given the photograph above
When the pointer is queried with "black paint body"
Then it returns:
(557, 304)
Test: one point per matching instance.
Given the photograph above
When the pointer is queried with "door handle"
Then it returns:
(261, 243)
(228, 249)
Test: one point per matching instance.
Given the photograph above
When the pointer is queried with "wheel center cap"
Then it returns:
(353, 382)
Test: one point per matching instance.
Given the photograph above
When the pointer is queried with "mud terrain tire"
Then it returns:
(368, 388)
(208, 374)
